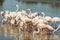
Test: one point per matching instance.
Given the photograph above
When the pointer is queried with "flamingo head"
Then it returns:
(17, 5)
(43, 13)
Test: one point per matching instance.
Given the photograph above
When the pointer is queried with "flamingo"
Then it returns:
(23, 12)
(6, 16)
(23, 15)
(2, 16)
(29, 11)
(50, 27)
(33, 15)
(43, 14)
(2, 13)
(56, 19)
(17, 18)
(34, 20)
(41, 19)
(13, 14)
(41, 26)
(48, 19)
(12, 21)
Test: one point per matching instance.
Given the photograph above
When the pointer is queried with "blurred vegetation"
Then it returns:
(1, 2)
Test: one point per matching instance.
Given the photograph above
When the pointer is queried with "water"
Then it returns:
(49, 8)
(8, 32)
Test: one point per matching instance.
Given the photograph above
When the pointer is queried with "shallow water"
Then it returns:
(49, 8)
(8, 32)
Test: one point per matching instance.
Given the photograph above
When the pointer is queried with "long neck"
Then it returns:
(30, 13)
(43, 15)
(17, 9)
(56, 29)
